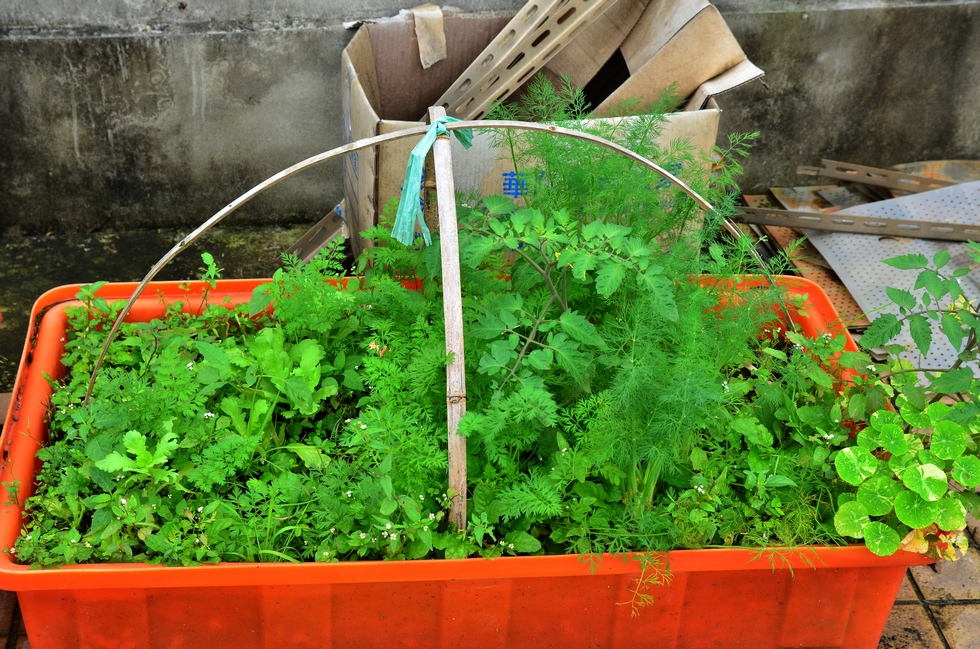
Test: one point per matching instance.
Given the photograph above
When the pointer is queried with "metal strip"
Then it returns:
(874, 176)
(838, 222)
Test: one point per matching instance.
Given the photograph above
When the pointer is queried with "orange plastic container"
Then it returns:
(833, 597)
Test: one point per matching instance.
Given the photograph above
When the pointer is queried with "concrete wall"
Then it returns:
(118, 114)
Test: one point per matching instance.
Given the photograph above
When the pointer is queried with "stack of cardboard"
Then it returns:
(635, 49)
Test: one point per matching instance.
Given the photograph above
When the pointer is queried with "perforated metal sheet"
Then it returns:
(857, 258)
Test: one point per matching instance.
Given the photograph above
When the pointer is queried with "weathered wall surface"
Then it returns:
(875, 86)
(120, 114)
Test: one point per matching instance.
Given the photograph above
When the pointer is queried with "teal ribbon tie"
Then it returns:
(409, 207)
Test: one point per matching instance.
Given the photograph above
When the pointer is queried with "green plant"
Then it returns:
(915, 467)
(616, 402)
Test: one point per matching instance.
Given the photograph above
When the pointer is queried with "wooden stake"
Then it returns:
(453, 310)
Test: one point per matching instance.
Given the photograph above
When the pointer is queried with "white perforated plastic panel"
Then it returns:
(857, 258)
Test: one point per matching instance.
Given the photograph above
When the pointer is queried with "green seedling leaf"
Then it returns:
(953, 382)
(882, 329)
(948, 440)
(908, 262)
(499, 205)
(851, 519)
(901, 297)
(915, 512)
(966, 471)
(953, 329)
(921, 332)
(952, 514)
(881, 539)
(932, 282)
(578, 327)
(262, 296)
(609, 277)
(855, 465)
(927, 480)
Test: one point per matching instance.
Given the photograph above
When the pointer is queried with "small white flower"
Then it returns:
(387, 526)
(374, 539)
(363, 426)
(349, 494)
(871, 368)
(362, 535)
(190, 366)
(421, 497)
(828, 436)
(122, 501)
(197, 540)
(425, 528)
(432, 517)
(200, 509)
(62, 340)
(394, 536)
(87, 544)
(331, 530)
(384, 534)
(724, 384)
(699, 489)
(326, 553)
(208, 415)
(74, 540)
(347, 421)
(510, 546)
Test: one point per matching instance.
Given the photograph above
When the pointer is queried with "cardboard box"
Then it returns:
(385, 89)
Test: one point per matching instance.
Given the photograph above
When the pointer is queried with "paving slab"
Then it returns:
(8, 603)
(973, 528)
(960, 624)
(950, 580)
(909, 627)
(906, 593)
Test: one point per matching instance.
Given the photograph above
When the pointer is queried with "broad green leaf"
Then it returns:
(499, 204)
(885, 418)
(857, 407)
(927, 480)
(609, 277)
(820, 377)
(953, 330)
(892, 438)
(952, 514)
(311, 456)
(914, 417)
(966, 471)
(779, 481)
(388, 506)
(851, 519)
(921, 333)
(578, 327)
(261, 298)
(523, 542)
(908, 262)
(948, 440)
(878, 494)
(855, 465)
(593, 229)
(954, 381)
(901, 297)
(941, 258)
(881, 539)
(915, 512)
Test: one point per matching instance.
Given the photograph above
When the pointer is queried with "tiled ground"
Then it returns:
(938, 607)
